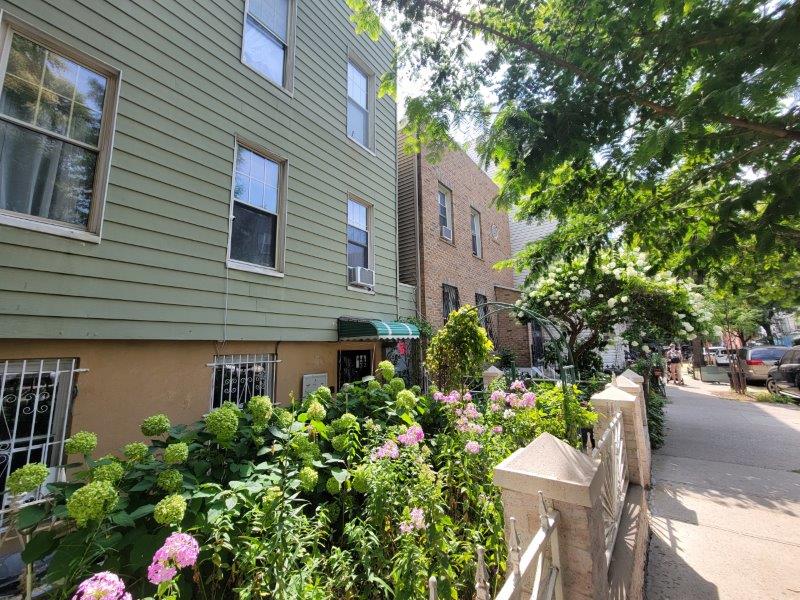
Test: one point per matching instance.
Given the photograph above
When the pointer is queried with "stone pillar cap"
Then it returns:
(614, 394)
(625, 382)
(553, 467)
(632, 375)
(493, 371)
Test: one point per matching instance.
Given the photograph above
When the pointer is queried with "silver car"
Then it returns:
(758, 360)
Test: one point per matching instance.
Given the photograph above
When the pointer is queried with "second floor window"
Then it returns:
(256, 209)
(357, 104)
(266, 38)
(56, 121)
(475, 225)
(450, 300)
(445, 201)
(357, 234)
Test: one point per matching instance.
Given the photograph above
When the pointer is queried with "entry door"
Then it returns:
(354, 365)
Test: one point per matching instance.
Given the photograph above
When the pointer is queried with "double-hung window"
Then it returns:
(267, 39)
(57, 111)
(445, 201)
(358, 104)
(256, 214)
(450, 300)
(475, 225)
(358, 234)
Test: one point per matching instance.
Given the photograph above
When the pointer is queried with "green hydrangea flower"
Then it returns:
(406, 400)
(92, 502)
(156, 425)
(345, 423)
(308, 478)
(386, 369)
(222, 423)
(260, 408)
(136, 452)
(360, 481)
(171, 481)
(304, 449)
(416, 389)
(339, 442)
(373, 384)
(27, 478)
(397, 385)
(283, 418)
(272, 494)
(83, 442)
(111, 471)
(333, 486)
(170, 510)
(316, 412)
(176, 454)
(323, 394)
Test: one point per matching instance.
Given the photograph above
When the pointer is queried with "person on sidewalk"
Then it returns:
(674, 363)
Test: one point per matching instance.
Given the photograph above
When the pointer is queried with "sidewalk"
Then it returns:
(726, 500)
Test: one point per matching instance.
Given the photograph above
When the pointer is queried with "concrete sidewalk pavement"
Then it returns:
(725, 501)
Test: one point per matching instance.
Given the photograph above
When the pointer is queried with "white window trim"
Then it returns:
(283, 191)
(371, 240)
(448, 195)
(288, 66)
(372, 97)
(475, 212)
(93, 232)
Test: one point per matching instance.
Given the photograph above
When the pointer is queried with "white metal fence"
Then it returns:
(613, 470)
(36, 395)
(238, 377)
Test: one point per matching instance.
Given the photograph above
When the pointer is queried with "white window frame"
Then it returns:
(448, 196)
(10, 25)
(288, 62)
(370, 241)
(280, 234)
(477, 237)
(361, 66)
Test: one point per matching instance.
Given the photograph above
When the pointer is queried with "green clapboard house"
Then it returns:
(197, 204)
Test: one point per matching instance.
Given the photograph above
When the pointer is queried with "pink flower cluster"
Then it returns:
(388, 450)
(451, 398)
(180, 550)
(518, 386)
(416, 522)
(472, 447)
(413, 436)
(102, 586)
(527, 400)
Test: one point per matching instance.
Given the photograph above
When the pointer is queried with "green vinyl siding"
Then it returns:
(159, 271)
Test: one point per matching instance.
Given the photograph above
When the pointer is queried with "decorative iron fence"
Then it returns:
(36, 398)
(614, 473)
(540, 560)
(238, 377)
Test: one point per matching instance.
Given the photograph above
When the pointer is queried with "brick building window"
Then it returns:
(475, 226)
(449, 300)
(483, 314)
(445, 201)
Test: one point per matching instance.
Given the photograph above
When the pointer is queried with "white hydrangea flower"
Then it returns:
(634, 343)
(645, 348)
(624, 299)
(687, 326)
(612, 302)
(547, 303)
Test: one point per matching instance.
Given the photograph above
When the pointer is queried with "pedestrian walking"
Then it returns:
(675, 365)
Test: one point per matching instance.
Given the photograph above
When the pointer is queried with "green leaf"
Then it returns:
(340, 475)
(144, 485)
(321, 428)
(39, 546)
(30, 516)
(122, 518)
(142, 511)
(281, 435)
(407, 418)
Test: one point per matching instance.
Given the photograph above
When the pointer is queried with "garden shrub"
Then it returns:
(360, 495)
(655, 419)
(774, 398)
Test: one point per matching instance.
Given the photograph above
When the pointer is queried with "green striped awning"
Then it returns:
(357, 329)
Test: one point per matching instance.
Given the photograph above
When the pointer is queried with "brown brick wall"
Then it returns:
(510, 334)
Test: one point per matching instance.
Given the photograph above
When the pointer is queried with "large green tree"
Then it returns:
(673, 123)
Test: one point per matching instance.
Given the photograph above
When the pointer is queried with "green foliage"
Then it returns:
(459, 350)
(773, 398)
(655, 419)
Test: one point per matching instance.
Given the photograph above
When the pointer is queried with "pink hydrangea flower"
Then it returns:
(528, 400)
(476, 428)
(494, 407)
(388, 450)
(102, 586)
(498, 429)
(498, 396)
(518, 386)
(467, 397)
(413, 436)
(512, 400)
(471, 412)
(416, 521)
(438, 396)
(180, 550)
(406, 528)
(472, 447)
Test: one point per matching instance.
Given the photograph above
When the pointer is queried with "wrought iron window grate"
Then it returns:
(36, 399)
(238, 377)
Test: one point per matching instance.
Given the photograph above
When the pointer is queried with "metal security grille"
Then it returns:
(483, 314)
(36, 398)
(238, 377)
(450, 300)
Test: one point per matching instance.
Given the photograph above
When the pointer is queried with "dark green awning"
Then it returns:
(355, 329)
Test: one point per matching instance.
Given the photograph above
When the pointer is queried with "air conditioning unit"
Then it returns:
(447, 233)
(361, 277)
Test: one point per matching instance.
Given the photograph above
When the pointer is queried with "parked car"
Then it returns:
(758, 360)
(721, 355)
(786, 373)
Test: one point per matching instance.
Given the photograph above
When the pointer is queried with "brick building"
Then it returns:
(450, 237)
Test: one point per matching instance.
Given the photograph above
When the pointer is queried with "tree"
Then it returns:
(682, 107)
(586, 298)
(459, 350)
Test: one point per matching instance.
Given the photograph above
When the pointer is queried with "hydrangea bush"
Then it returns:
(364, 494)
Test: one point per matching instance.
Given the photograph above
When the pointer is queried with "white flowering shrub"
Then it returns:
(586, 299)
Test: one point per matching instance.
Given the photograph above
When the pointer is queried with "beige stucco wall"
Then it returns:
(130, 380)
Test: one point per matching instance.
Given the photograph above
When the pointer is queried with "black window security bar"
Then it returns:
(238, 377)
